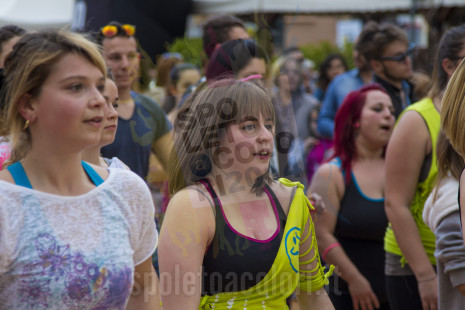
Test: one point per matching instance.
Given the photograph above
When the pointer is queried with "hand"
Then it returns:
(317, 203)
(429, 293)
(362, 295)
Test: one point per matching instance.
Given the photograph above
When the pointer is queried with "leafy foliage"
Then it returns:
(318, 52)
(190, 48)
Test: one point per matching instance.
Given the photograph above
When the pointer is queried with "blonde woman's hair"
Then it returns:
(202, 123)
(453, 110)
(449, 161)
(27, 68)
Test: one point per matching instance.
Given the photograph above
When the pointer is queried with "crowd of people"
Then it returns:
(271, 188)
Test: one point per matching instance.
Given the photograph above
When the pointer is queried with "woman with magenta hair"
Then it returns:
(350, 235)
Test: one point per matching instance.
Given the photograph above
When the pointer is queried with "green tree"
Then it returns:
(318, 52)
(190, 48)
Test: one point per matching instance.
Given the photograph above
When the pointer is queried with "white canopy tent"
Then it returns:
(314, 6)
(31, 14)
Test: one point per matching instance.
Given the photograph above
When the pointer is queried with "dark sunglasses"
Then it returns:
(401, 57)
(109, 31)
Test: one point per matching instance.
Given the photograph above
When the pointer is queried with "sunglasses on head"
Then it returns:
(401, 57)
(109, 31)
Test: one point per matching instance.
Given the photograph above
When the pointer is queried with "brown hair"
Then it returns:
(27, 68)
(216, 31)
(375, 37)
(449, 161)
(451, 44)
(203, 121)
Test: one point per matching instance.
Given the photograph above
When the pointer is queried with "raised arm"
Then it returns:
(408, 146)
(329, 184)
(187, 230)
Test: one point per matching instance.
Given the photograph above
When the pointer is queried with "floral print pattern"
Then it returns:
(85, 285)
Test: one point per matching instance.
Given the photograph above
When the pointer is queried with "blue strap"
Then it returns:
(19, 175)
(93, 176)
(21, 179)
(338, 162)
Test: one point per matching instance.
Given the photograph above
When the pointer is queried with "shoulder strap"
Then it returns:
(19, 175)
(216, 201)
(278, 205)
(338, 163)
(92, 174)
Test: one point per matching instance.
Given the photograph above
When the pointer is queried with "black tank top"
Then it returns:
(360, 229)
(234, 262)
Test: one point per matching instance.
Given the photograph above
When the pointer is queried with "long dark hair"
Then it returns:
(323, 78)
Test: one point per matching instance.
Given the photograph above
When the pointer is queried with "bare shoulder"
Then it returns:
(411, 126)
(410, 141)
(190, 211)
(192, 197)
(329, 173)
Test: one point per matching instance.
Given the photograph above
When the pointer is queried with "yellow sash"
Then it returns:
(285, 274)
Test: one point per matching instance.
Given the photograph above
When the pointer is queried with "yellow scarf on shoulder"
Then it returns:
(285, 274)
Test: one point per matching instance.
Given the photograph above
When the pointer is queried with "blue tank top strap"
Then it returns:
(19, 175)
(21, 179)
(338, 162)
(92, 174)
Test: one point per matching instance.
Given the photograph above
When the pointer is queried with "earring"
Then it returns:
(26, 125)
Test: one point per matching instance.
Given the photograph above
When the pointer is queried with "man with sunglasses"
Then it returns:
(388, 53)
(381, 55)
(142, 124)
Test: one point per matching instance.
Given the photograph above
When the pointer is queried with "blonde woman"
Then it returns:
(73, 235)
(452, 120)
(442, 215)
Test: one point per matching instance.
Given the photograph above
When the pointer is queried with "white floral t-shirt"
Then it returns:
(60, 252)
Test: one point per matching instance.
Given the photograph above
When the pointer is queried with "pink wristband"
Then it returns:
(329, 248)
